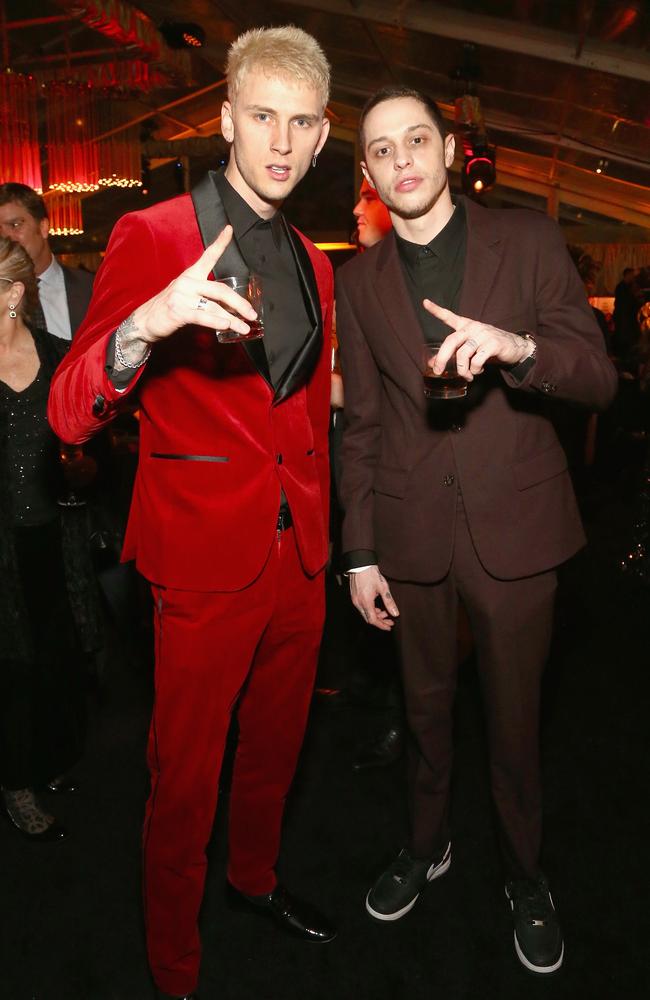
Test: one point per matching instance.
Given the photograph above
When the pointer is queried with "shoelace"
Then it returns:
(402, 868)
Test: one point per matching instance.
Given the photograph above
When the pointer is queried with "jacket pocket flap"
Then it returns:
(536, 469)
(391, 481)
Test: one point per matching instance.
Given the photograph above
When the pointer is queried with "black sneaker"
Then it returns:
(396, 891)
(538, 937)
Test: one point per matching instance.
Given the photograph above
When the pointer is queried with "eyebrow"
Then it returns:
(411, 128)
(272, 111)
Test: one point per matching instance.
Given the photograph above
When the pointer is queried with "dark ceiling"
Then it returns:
(563, 86)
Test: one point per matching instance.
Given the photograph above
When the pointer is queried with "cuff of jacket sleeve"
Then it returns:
(356, 558)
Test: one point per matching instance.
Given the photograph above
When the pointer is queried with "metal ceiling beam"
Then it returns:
(574, 186)
(498, 33)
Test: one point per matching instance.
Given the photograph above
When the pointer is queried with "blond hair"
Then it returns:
(287, 51)
(17, 265)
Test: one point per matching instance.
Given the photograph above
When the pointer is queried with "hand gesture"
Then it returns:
(191, 298)
(367, 585)
(475, 343)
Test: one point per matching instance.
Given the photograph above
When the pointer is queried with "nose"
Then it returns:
(357, 211)
(402, 158)
(281, 139)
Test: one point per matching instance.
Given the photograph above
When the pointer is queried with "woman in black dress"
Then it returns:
(44, 578)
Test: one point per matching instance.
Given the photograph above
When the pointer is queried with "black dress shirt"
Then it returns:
(435, 271)
(265, 247)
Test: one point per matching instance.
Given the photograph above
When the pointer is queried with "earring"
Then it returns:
(313, 160)
(12, 312)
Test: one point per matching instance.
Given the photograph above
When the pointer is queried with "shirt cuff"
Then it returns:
(358, 559)
(121, 379)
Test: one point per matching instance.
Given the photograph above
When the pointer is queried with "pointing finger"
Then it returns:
(446, 315)
(203, 266)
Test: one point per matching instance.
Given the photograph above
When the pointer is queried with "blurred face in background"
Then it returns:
(18, 225)
(373, 219)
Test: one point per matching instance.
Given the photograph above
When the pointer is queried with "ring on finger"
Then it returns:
(202, 303)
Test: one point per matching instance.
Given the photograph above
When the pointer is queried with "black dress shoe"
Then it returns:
(175, 996)
(292, 914)
(61, 786)
(382, 752)
(54, 831)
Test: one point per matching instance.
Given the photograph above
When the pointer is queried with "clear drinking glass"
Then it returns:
(448, 385)
(249, 288)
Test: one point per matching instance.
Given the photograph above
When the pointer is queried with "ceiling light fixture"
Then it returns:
(183, 34)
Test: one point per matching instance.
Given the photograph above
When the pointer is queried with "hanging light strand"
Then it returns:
(20, 159)
(72, 156)
(64, 213)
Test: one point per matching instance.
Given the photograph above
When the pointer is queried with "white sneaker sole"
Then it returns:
(435, 871)
(540, 970)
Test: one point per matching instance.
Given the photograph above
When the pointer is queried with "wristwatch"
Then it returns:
(521, 369)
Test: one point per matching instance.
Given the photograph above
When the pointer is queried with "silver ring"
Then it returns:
(202, 303)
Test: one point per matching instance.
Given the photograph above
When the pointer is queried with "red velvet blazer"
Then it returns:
(217, 443)
(402, 459)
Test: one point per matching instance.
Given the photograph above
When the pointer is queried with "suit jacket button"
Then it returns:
(449, 480)
(99, 405)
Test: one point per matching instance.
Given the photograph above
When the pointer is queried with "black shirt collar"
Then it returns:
(442, 246)
(241, 216)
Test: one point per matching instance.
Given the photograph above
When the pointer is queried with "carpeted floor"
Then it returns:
(71, 911)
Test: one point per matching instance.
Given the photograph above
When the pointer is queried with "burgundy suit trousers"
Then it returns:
(511, 624)
(258, 645)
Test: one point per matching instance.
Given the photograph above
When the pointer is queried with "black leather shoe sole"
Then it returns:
(290, 914)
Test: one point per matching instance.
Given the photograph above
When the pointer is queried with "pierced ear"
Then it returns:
(324, 132)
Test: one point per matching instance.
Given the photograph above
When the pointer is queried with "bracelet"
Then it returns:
(118, 349)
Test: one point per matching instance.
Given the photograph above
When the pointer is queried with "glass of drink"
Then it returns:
(249, 288)
(449, 384)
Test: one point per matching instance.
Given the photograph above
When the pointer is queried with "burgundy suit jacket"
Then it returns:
(402, 459)
(217, 443)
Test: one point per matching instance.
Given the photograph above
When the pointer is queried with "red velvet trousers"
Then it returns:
(258, 645)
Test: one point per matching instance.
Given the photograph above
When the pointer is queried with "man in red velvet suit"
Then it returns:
(229, 514)
(462, 501)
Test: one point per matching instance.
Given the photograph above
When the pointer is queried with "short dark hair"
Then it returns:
(26, 196)
(396, 91)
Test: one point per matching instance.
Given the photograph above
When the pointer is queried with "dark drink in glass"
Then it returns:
(449, 384)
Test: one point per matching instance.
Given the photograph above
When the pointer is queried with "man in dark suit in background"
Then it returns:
(467, 501)
(64, 292)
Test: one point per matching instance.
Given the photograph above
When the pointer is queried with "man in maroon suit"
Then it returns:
(229, 513)
(466, 501)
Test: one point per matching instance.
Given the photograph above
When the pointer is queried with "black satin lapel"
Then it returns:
(211, 218)
(306, 359)
(394, 297)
